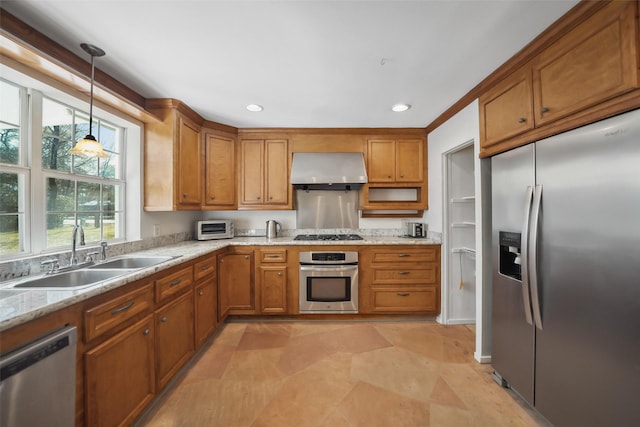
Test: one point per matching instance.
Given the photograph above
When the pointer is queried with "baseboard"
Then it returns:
(482, 359)
(471, 321)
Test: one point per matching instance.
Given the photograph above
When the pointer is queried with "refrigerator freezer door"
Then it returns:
(512, 351)
(588, 353)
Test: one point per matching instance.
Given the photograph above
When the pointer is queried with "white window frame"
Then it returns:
(35, 175)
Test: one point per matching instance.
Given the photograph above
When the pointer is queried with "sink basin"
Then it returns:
(132, 262)
(73, 279)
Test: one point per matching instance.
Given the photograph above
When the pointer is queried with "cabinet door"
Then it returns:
(507, 109)
(273, 289)
(220, 172)
(594, 62)
(276, 172)
(174, 337)
(189, 173)
(206, 309)
(119, 376)
(381, 160)
(236, 285)
(409, 160)
(251, 179)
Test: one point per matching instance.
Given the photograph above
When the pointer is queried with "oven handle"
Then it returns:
(329, 264)
(324, 268)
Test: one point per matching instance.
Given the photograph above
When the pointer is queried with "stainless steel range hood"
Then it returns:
(328, 170)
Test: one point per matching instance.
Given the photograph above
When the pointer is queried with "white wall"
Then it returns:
(458, 130)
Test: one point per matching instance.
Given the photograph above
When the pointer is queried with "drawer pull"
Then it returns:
(403, 255)
(246, 257)
(201, 293)
(403, 273)
(164, 319)
(272, 256)
(403, 294)
(522, 120)
(123, 308)
(175, 283)
(279, 273)
(544, 110)
(146, 332)
(205, 268)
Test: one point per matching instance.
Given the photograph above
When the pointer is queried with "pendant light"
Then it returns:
(88, 146)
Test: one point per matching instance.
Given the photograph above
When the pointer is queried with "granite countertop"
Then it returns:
(21, 305)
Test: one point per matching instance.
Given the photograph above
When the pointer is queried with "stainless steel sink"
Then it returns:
(74, 279)
(132, 262)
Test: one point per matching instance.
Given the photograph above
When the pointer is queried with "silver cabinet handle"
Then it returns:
(201, 293)
(123, 308)
(544, 110)
(205, 268)
(246, 257)
(279, 273)
(524, 256)
(272, 256)
(175, 283)
(402, 273)
(403, 255)
(522, 120)
(164, 319)
(146, 332)
(533, 257)
(403, 294)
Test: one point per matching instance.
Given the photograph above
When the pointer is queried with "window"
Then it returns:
(13, 176)
(80, 190)
(45, 191)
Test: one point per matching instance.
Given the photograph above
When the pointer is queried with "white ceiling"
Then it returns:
(309, 63)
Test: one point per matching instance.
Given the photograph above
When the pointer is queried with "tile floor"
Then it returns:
(378, 373)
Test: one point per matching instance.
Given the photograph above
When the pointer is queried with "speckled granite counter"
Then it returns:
(18, 306)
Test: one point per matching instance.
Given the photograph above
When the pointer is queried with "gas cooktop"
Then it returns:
(328, 237)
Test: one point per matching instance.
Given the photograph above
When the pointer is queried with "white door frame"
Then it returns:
(443, 317)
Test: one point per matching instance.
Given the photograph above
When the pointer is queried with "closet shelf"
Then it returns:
(463, 224)
(467, 251)
(463, 199)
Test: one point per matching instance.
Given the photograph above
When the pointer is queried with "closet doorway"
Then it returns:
(459, 236)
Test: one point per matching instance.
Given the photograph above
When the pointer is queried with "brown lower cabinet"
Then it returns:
(120, 376)
(174, 337)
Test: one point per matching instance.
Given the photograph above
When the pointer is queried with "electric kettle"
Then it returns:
(272, 229)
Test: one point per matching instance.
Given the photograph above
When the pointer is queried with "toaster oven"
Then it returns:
(212, 229)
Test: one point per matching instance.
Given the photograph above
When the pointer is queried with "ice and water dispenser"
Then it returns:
(510, 255)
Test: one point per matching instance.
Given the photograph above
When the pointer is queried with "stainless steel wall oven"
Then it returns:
(328, 282)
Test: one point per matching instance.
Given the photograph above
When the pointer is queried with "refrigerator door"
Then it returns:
(588, 352)
(512, 347)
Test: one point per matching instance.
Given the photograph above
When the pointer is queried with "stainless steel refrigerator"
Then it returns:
(566, 273)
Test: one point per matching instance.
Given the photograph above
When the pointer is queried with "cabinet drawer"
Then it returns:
(405, 255)
(405, 275)
(174, 283)
(273, 255)
(204, 268)
(104, 317)
(405, 299)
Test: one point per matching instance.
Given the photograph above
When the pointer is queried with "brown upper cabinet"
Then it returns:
(264, 174)
(395, 160)
(572, 82)
(172, 158)
(220, 172)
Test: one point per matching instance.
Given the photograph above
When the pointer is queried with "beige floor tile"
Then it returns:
(307, 397)
(398, 370)
(370, 406)
(444, 395)
(255, 365)
(447, 416)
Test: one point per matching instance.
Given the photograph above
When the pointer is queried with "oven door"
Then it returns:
(328, 289)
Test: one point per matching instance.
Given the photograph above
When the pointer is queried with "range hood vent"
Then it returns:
(328, 171)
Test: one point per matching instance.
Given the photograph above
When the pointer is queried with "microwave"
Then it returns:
(211, 229)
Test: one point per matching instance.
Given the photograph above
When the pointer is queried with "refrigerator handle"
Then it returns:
(524, 256)
(533, 259)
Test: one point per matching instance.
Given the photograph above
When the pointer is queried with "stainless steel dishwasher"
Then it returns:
(38, 381)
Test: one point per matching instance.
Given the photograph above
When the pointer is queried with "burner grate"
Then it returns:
(325, 237)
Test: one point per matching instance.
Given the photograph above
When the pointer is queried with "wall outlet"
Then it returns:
(156, 230)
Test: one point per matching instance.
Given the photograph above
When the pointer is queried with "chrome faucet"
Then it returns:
(74, 258)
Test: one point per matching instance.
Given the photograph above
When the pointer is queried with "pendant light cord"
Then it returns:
(91, 98)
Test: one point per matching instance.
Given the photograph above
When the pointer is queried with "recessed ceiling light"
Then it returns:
(400, 107)
(254, 107)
